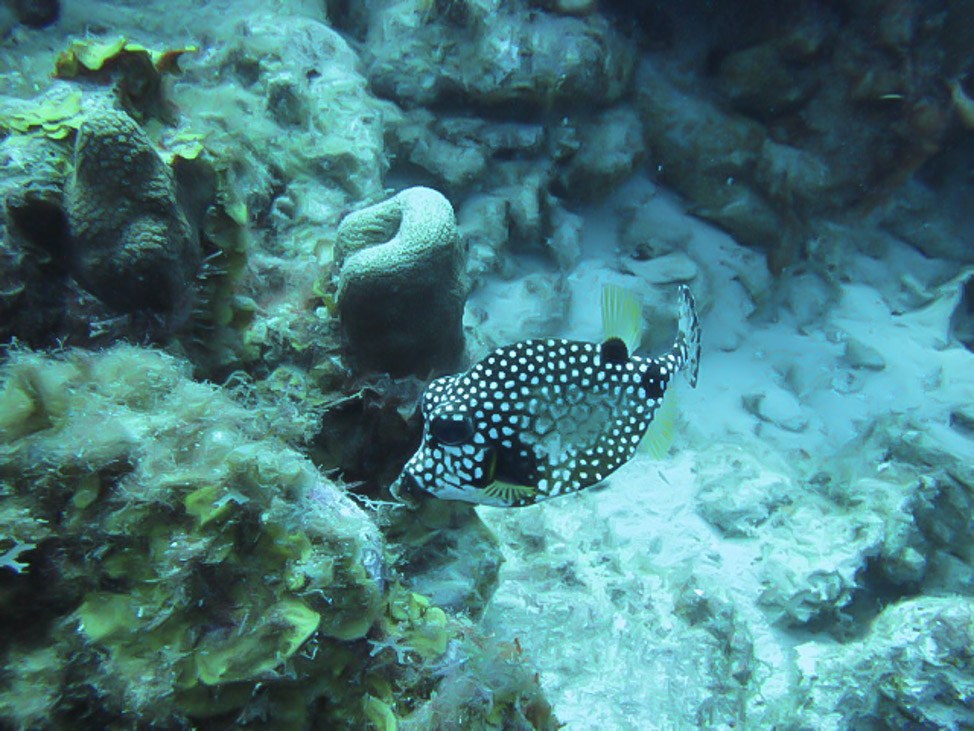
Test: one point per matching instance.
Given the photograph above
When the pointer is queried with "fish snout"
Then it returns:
(406, 488)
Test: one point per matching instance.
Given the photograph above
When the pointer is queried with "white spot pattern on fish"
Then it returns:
(543, 418)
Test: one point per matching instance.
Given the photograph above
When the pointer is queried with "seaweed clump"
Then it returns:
(164, 562)
(180, 565)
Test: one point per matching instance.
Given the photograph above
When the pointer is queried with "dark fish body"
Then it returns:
(543, 418)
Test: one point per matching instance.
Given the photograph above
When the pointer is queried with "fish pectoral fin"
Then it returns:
(506, 492)
(509, 492)
(658, 439)
(491, 470)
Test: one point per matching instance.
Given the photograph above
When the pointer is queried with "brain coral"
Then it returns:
(131, 244)
(400, 298)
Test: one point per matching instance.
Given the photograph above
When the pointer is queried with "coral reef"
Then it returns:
(37, 13)
(611, 147)
(135, 236)
(134, 72)
(622, 603)
(400, 296)
(508, 55)
(771, 119)
(304, 140)
(705, 154)
(165, 562)
(453, 558)
(914, 669)
(445, 550)
(33, 239)
(836, 545)
(131, 244)
(194, 557)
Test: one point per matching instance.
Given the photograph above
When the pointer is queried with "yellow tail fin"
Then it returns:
(622, 316)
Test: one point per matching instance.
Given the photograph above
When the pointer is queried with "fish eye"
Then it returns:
(452, 429)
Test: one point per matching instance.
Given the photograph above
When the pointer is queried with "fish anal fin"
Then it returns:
(508, 492)
(659, 436)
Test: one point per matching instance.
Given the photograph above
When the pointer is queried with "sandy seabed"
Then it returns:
(638, 612)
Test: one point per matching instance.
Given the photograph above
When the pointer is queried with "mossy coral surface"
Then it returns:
(179, 556)
(164, 562)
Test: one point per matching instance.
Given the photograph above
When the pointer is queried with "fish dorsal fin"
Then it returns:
(658, 439)
(622, 316)
(614, 350)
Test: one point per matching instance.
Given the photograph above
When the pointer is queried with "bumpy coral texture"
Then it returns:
(166, 564)
(913, 669)
(132, 246)
(163, 559)
(400, 297)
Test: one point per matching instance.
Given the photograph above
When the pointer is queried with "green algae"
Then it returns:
(275, 639)
(91, 55)
(56, 116)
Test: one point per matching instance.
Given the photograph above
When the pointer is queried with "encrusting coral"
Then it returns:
(165, 563)
(132, 246)
(180, 563)
(913, 669)
(400, 296)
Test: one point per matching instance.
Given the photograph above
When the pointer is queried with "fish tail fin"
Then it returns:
(687, 347)
(622, 316)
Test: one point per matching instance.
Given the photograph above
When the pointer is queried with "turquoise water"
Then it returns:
(297, 298)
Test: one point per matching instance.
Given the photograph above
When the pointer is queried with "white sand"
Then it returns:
(594, 609)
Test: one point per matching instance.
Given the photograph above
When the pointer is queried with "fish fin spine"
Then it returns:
(687, 347)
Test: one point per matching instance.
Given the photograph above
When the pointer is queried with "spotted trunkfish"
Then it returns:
(548, 417)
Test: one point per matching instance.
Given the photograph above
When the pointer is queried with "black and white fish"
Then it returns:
(543, 418)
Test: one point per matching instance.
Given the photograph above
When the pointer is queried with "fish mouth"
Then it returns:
(406, 487)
